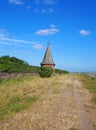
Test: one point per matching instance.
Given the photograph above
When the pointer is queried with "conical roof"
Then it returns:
(47, 57)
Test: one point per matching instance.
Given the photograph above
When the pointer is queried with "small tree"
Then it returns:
(45, 72)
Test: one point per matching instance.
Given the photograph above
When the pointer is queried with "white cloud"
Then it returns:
(38, 46)
(17, 2)
(47, 31)
(51, 31)
(84, 32)
(43, 32)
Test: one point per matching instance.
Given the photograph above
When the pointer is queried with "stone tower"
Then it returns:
(48, 60)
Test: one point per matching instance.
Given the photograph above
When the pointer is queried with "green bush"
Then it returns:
(45, 72)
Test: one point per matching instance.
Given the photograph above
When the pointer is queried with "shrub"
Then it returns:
(45, 72)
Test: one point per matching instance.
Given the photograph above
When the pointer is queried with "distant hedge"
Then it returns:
(61, 71)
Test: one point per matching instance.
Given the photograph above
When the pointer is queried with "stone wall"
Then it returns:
(15, 75)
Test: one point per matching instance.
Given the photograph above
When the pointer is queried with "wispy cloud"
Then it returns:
(50, 31)
(16, 2)
(84, 32)
(38, 46)
(47, 6)
(5, 38)
(16, 40)
(46, 10)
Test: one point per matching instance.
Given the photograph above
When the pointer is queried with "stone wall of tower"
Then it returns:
(52, 66)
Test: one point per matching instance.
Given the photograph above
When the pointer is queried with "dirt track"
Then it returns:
(61, 107)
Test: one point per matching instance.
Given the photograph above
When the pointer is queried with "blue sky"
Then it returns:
(26, 26)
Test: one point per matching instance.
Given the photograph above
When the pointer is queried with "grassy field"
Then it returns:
(32, 102)
(18, 94)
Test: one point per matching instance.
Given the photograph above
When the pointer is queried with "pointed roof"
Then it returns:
(48, 57)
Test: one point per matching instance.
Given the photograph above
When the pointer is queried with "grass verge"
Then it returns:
(89, 83)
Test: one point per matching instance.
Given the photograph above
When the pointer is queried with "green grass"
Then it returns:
(72, 129)
(90, 84)
(16, 104)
